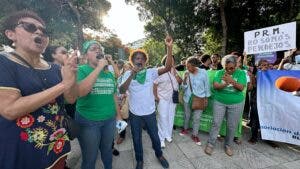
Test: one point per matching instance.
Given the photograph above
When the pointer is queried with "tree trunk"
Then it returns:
(80, 38)
(224, 26)
(291, 11)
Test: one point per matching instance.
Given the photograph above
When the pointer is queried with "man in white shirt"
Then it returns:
(139, 83)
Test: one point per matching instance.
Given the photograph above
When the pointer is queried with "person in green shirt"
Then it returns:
(229, 84)
(96, 107)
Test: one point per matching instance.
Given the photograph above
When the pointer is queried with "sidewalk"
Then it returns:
(182, 153)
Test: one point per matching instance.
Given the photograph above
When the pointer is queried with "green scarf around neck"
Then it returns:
(141, 76)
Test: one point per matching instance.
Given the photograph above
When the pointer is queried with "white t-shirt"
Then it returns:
(289, 66)
(141, 97)
(164, 88)
(247, 76)
(110, 68)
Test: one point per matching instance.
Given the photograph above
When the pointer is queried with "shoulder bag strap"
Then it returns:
(44, 85)
(190, 83)
(30, 66)
(204, 86)
(171, 80)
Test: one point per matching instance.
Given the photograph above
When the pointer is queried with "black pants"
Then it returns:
(247, 106)
(70, 109)
(254, 122)
(123, 133)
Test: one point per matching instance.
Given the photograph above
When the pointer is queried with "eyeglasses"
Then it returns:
(230, 68)
(32, 28)
(95, 48)
(63, 52)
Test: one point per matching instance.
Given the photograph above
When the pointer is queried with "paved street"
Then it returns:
(182, 153)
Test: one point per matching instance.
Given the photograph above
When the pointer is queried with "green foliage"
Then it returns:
(61, 17)
(211, 41)
(155, 49)
(197, 23)
(111, 45)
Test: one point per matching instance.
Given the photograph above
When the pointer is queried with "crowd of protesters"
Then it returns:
(36, 91)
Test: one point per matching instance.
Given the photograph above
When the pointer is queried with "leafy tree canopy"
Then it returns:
(197, 23)
(64, 18)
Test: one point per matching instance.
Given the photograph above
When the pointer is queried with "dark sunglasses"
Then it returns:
(229, 68)
(32, 28)
(63, 52)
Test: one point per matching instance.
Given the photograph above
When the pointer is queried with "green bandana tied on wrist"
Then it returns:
(141, 76)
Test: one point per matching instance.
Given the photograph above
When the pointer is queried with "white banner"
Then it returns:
(270, 39)
(278, 110)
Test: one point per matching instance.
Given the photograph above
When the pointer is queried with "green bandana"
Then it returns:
(141, 76)
(86, 45)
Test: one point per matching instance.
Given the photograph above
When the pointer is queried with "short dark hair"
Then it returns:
(262, 61)
(164, 59)
(194, 61)
(216, 54)
(135, 53)
(48, 53)
(236, 53)
(11, 21)
(204, 58)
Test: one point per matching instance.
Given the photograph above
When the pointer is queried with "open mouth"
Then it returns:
(38, 40)
(139, 65)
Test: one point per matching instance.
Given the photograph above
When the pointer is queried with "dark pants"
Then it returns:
(94, 136)
(136, 130)
(70, 109)
(247, 106)
(254, 122)
(123, 133)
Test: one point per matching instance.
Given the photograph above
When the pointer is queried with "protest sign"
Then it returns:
(278, 110)
(270, 39)
(271, 57)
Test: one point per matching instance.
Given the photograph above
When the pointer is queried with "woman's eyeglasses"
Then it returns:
(230, 68)
(30, 27)
(94, 49)
(63, 52)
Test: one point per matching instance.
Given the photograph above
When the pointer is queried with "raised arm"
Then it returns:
(178, 78)
(114, 65)
(69, 71)
(282, 62)
(168, 66)
(245, 61)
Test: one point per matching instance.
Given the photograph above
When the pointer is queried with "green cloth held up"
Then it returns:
(141, 76)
